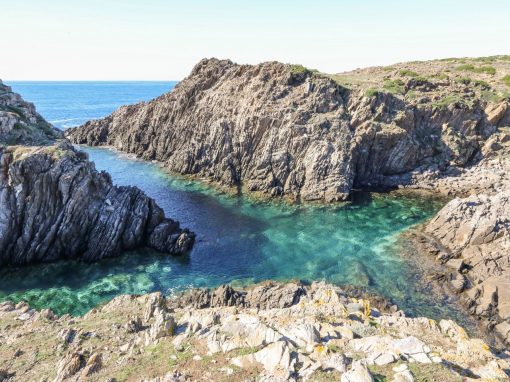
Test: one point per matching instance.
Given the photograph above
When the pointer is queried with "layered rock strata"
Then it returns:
(269, 332)
(277, 129)
(55, 205)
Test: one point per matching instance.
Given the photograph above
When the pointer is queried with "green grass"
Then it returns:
(394, 86)
(446, 101)
(481, 83)
(299, 69)
(493, 97)
(408, 73)
(244, 351)
(506, 80)
(463, 80)
(440, 76)
(371, 92)
(481, 69)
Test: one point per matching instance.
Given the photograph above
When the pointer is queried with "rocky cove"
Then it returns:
(349, 136)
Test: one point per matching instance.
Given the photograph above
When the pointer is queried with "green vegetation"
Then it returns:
(244, 351)
(506, 80)
(440, 76)
(298, 69)
(493, 97)
(481, 69)
(447, 101)
(408, 73)
(463, 80)
(371, 92)
(482, 84)
(432, 372)
(421, 79)
(394, 86)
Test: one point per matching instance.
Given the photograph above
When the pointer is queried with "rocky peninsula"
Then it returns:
(55, 205)
(269, 332)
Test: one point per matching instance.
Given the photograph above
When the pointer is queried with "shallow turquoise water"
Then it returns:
(239, 240)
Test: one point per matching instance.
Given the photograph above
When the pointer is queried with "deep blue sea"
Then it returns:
(238, 240)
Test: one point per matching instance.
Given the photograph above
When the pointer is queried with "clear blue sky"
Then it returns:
(163, 39)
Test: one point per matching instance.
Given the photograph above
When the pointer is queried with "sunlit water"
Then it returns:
(238, 240)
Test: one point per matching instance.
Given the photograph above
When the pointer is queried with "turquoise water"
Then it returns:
(238, 240)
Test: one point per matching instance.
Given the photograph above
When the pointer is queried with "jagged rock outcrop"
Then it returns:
(279, 129)
(471, 234)
(55, 205)
(316, 336)
(20, 123)
(474, 238)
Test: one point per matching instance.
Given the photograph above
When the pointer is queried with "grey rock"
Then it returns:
(272, 131)
(358, 373)
(55, 205)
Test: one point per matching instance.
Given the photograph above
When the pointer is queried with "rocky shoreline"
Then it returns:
(269, 332)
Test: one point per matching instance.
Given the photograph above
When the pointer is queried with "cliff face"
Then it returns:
(279, 129)
(20, 123)
(55, 205)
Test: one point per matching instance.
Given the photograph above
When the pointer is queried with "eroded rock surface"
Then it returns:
(55, 205)
(277, 129)
(312, 338)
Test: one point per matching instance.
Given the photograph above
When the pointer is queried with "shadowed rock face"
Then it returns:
(277, 130)
(55, 205)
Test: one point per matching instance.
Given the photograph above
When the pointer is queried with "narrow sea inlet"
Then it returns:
(239, 240)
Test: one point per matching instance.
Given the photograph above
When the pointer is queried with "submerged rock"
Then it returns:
(55, 205)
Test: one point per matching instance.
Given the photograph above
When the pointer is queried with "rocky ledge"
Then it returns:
(20, 123)
(276, 129)
(270, 332)
(55, 205)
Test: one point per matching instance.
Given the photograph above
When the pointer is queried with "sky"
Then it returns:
(164, 39)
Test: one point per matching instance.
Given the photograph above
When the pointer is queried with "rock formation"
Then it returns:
(279, 129)
(55, 205)
(312, 333)
(20, 123)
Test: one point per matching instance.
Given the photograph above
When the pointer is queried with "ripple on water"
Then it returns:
(241, 241)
